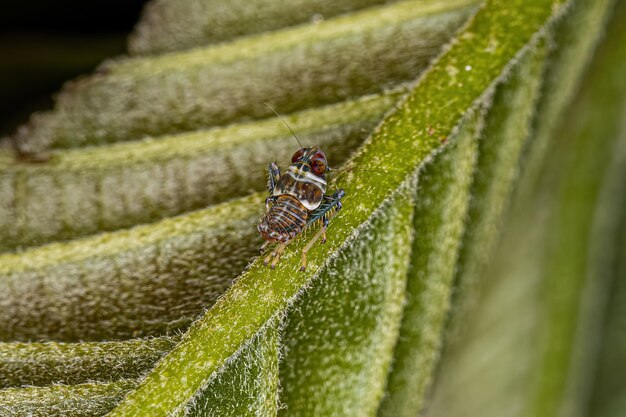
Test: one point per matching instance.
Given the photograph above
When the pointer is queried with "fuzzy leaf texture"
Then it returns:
(415, 297)
(544, 359)
(168, 26)
(216, 85)
(158, 178)
(281, 288)
(435, 255)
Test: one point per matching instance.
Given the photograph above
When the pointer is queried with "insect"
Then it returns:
(297, 200)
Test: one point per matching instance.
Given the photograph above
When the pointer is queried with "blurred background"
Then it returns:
(563, 331)
(44, 43)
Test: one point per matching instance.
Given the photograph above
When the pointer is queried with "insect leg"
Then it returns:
(279, 253)
(334, 200)
(269, 257)
(325, 212)
(265, 245)
(330, 205)
(273, 176)
(276, 254)
(322, 232)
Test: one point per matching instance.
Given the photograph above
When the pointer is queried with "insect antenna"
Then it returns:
(380, 171)
(283, 120)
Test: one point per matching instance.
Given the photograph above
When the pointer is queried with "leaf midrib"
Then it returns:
(259, 294)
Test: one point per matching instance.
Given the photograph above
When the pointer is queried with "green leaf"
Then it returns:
(336, 353)
(575, 37)
(604, 336)
(148, 280)
(330, 366)
(527, 343)
(367, 316)
(608, 393)
(584, 228)
(599, 339)
(82, 191)
(247, 385)
(293, 69)
(401, 144)
(85, 400)
(168, 25)
(40, 364)
(440, 221)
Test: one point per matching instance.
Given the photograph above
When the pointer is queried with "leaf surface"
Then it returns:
(168, 25)
(404, 138)
(87, 190)
(303, 67)
(455, 203)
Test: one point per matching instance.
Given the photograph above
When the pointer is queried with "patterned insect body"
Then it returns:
(285, 219)
(303, 184)
(297, 200)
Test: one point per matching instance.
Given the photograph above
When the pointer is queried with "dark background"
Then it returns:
(46, 42)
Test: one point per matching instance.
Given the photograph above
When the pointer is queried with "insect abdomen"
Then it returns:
(285, 220)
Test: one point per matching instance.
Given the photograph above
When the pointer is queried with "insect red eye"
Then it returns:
(318, 167)
(297, 155)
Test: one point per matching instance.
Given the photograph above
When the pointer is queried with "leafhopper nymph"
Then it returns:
(297, 200)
